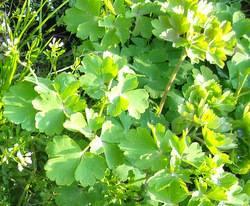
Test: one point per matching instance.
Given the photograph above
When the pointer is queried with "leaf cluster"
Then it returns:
(109, 144)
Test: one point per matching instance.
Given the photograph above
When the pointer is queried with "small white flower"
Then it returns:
(53, 40)
(28, 160)
(16, 41)
(19, 155)
(5, 159)
(8, 41)
(54, 44)
(164, 6)
(178, 9)
(205, 8)
(20, 167)
(61, 44)
(107, 54)
(4, 45)
(28, 154)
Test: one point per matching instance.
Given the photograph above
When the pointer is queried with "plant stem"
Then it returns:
(44, 21)
(103, 106)
(105, 100)
(19, 21)
(199, 140)
(137, 180)
(170, 82)
(244, 93)
(13, 68)
(241, 86)
(30, 22)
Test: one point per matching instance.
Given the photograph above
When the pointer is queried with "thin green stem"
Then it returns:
(44, 21)
(62, 70)
(19, 21)
(30, 22)
(199, 140)
(11, 73)
(105, 101)
(170, 82)
(241, 86)
(137, 180)
(103, 106)
(40, 18)
(244, 93)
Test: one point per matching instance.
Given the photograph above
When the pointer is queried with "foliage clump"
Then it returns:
(153, 111)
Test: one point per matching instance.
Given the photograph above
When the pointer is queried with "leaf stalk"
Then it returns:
(171, 81)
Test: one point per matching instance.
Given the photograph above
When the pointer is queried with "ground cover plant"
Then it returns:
(125, 102)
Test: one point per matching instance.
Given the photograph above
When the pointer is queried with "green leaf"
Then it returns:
(125, 96)
(217, 142)
(137, 106)
(200, 201)
(98, 74)
(50, 110)
(45, 120)
(193, 155)
(177, 144)
(247, 187)
(161, 136)
(92, 7)
(112, 134)
(77, 123)
(110, 39)
(144, 7)
(71, 195)
(83, 18)
(201, 34)
(55, 100)
(18, 105)
(96, 145)
(239, 69)
(167, 188)
(227, 180)
(236, 196)
(143, 27)
(113, 154)
(224, 104)
(94, 120)
(217, 194)
(64, 156)
(73, 18)
(122, 26)
(240, 26)
(124, 171)
(119, 6)
(210, 119)
(66, 84)
(68, 163)
(141, 150)
(89, 28)
(91, 168)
